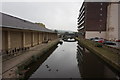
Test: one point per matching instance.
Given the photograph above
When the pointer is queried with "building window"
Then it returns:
(100, 20)
(101, 3)
(101, 9)
(100, 14)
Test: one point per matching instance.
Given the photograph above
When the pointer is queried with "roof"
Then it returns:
(9, 21)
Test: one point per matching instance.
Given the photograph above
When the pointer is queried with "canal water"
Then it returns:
(62, 63)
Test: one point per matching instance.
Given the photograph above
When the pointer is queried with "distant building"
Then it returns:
(96, 18)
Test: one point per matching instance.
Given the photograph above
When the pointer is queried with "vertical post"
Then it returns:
(32, 39)
(108, 21)
(42, 37)
(46, 36)
(1, 40)
(9, 42)
(38, 40)
(23, 39)
(119, 32)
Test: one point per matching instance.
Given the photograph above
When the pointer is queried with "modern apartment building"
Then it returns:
(113, 17)
(99, 19)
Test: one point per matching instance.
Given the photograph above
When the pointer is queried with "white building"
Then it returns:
(113, 27)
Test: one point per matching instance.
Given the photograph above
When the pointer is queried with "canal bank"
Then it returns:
(103, 61)
(11, 67)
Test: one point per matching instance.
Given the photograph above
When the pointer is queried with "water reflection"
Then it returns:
(34, 66)
(92, 66)
(62, 63)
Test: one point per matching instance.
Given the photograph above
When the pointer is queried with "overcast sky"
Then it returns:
(55, 15)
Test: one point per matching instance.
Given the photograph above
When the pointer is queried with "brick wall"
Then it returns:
(96, 16)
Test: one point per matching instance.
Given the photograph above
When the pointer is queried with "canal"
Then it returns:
(62, 63)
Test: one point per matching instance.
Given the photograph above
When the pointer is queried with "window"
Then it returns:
(101, 9)
(100, 20)
(100, 14)
(101, 3)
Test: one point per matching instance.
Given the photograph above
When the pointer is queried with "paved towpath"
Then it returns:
(10, 65)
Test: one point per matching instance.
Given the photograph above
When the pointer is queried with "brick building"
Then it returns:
(92, 19)
(96, 18)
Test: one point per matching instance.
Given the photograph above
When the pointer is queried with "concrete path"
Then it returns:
(10, 65)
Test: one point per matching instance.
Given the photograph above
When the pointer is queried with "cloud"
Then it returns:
(55, 15)
(42, 0)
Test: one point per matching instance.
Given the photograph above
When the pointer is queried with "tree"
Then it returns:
(41, 24)
(55, 31)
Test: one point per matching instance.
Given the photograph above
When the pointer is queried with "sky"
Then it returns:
(55, 15)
